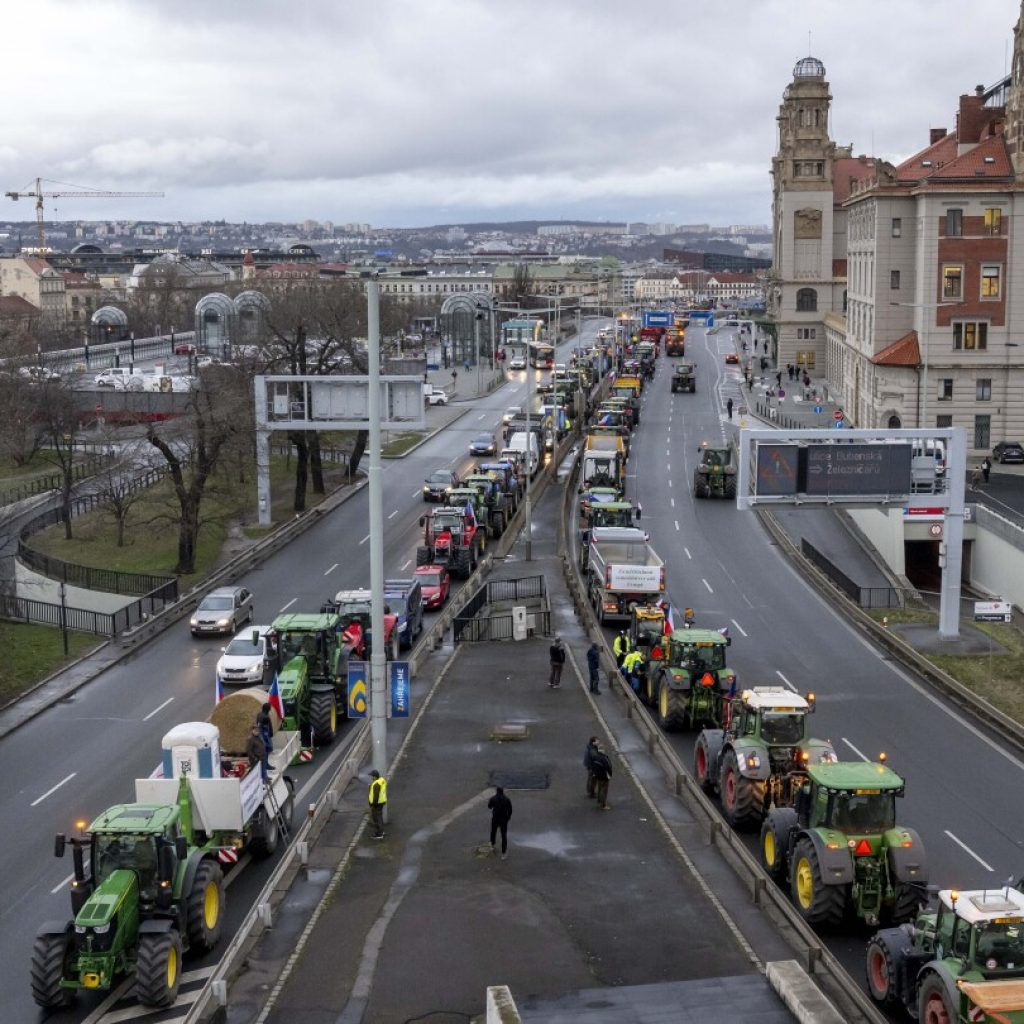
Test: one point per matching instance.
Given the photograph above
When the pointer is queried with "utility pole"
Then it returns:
(64, 617)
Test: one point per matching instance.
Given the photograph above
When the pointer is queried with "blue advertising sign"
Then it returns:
(358, 691)
(658, 319)
(399, 679)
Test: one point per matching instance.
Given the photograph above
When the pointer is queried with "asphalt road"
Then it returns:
(81, 756)
(964, 793)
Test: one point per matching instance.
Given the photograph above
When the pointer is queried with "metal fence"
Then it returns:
(498, 627)
(469, 625)
(51, 481)
(866, 597)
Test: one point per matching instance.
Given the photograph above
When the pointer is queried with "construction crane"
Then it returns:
(77, 190)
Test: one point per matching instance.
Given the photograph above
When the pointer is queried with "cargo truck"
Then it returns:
(622, 570)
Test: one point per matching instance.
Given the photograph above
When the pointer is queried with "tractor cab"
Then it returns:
(715, 472)
(775, 715)
(850, 798)
(701, 653)
(647, 631)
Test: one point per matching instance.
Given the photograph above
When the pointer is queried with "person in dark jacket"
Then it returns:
(588, 763)
(601, 766)
(256, 750)
(501, 811)
(557, 658)
(594, 667)
(266, 723)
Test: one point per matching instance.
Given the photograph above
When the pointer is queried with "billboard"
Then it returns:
(659, 319)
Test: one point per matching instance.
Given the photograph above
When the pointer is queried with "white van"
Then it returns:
(934, 448)
(527, 445)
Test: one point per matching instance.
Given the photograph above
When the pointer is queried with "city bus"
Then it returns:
(542, 355)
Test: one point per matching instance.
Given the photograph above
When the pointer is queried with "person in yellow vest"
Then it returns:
(620, 647)
(632, 666)
(378, 801)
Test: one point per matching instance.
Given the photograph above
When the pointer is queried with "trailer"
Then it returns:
(622, 570)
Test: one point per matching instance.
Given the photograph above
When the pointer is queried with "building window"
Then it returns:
(897, 227)
(945, 389)
(845, 300)
(970, 335)
(954, 222)
(982, 431)
(952, 282)
(807, 301)
(943, 421)
(993, 220)
(983, 389)
(806, 333)
(990, 276)
(894, 280)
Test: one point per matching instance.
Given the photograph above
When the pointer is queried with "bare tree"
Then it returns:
(118, 484)
(59, 429)
(20, 434)
(522, 284)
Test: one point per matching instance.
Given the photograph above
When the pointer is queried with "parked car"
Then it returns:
(436, 583)
(435, 396)
(1008, 451)
(438, 484)
(483, 444)
(38, 374)
(121, 378)
(246, 659)
(184, 348)
(222, 611)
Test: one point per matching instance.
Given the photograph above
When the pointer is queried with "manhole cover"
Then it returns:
(525, 778)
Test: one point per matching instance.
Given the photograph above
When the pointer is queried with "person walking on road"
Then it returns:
(501, 811)
(556, 655)
(986, 468)
(594, 667)
(728, 407)
(620, 647)
(378, 801)
(601, 766)
(588, 763)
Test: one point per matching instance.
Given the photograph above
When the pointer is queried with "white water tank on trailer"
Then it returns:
(192, 748)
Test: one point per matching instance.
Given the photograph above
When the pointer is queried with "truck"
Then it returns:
(147, 885)
(604, 462)
(604, 513)
(622, 569)
(675, 342)
(715, 472)
(684, 377)
(451, 538)
(687, 684)
(311, 657)
(758, 756)
(628, 387)
(839, 849)
(960, 960)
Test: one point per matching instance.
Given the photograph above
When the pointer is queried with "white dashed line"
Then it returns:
(670, 483)
(963, 846)
(855, 750)
(673, 500)
(160, 708)
(740, 628)
(408, 562)
(481, 416)
(393, 514)
(327, 572)
(287, 606)
(53, 789)
(688, 555)
(365, 539)
(416, 493)
(60, 885)
(676, 521)
(706, 584)
(786, 681)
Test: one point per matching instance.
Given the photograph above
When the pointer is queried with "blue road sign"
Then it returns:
(817, 409)
(399, 671)
(658, 320)
(839, 424)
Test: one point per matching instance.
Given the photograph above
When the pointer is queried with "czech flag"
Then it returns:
(220, 690)
(470, 514)
(274, 698)
(670, 624)
(724, 631)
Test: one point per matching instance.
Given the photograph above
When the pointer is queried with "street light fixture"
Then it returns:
(923, 418)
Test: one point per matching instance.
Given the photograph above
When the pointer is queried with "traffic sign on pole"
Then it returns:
(817, 409)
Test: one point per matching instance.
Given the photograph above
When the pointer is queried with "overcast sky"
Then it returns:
(414, 112)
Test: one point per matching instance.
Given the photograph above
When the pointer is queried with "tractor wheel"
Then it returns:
(905, 903)
(817, 902)
(700, 486)
(882, 966)
(265, 837)
(51, 956)
(933, 1003)
(461, 565)
(702, 768)
(498, 523)
(671, 707)
(323, 718)
(730, 486)
(422, 555)
(158, 969)
(204, 909)
(742, 798)
(775, 832)
(650, 691)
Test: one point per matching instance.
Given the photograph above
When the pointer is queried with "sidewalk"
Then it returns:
(428, 918)
(468, 384)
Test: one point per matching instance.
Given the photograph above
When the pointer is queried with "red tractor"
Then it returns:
(452, 537)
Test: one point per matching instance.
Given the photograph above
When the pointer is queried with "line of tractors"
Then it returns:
(828, 829)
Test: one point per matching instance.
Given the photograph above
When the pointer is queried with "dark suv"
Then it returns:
(1008, 451)
(438, 484)
(405, 599)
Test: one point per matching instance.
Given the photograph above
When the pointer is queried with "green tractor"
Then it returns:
(148, 896)
(498, 505)
(312, 672)
(758, 755)
(689, 682)
(958, 962)
(714, 476)
(684, 378)
(840, 849)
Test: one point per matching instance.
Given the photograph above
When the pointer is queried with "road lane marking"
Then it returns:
(332, 568)
(393, 514)
(740, 628)
(688, 555)
(863, 757)
(706, 584)
(676, 521)
(53, 789)
(406, 565)
(963, 846)
(673, 500)
(481, 416)
(670, 483)
(60, 885)
(365, 539)
(786, 681)
(281, 611)
(416, 493)
(160, 708)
